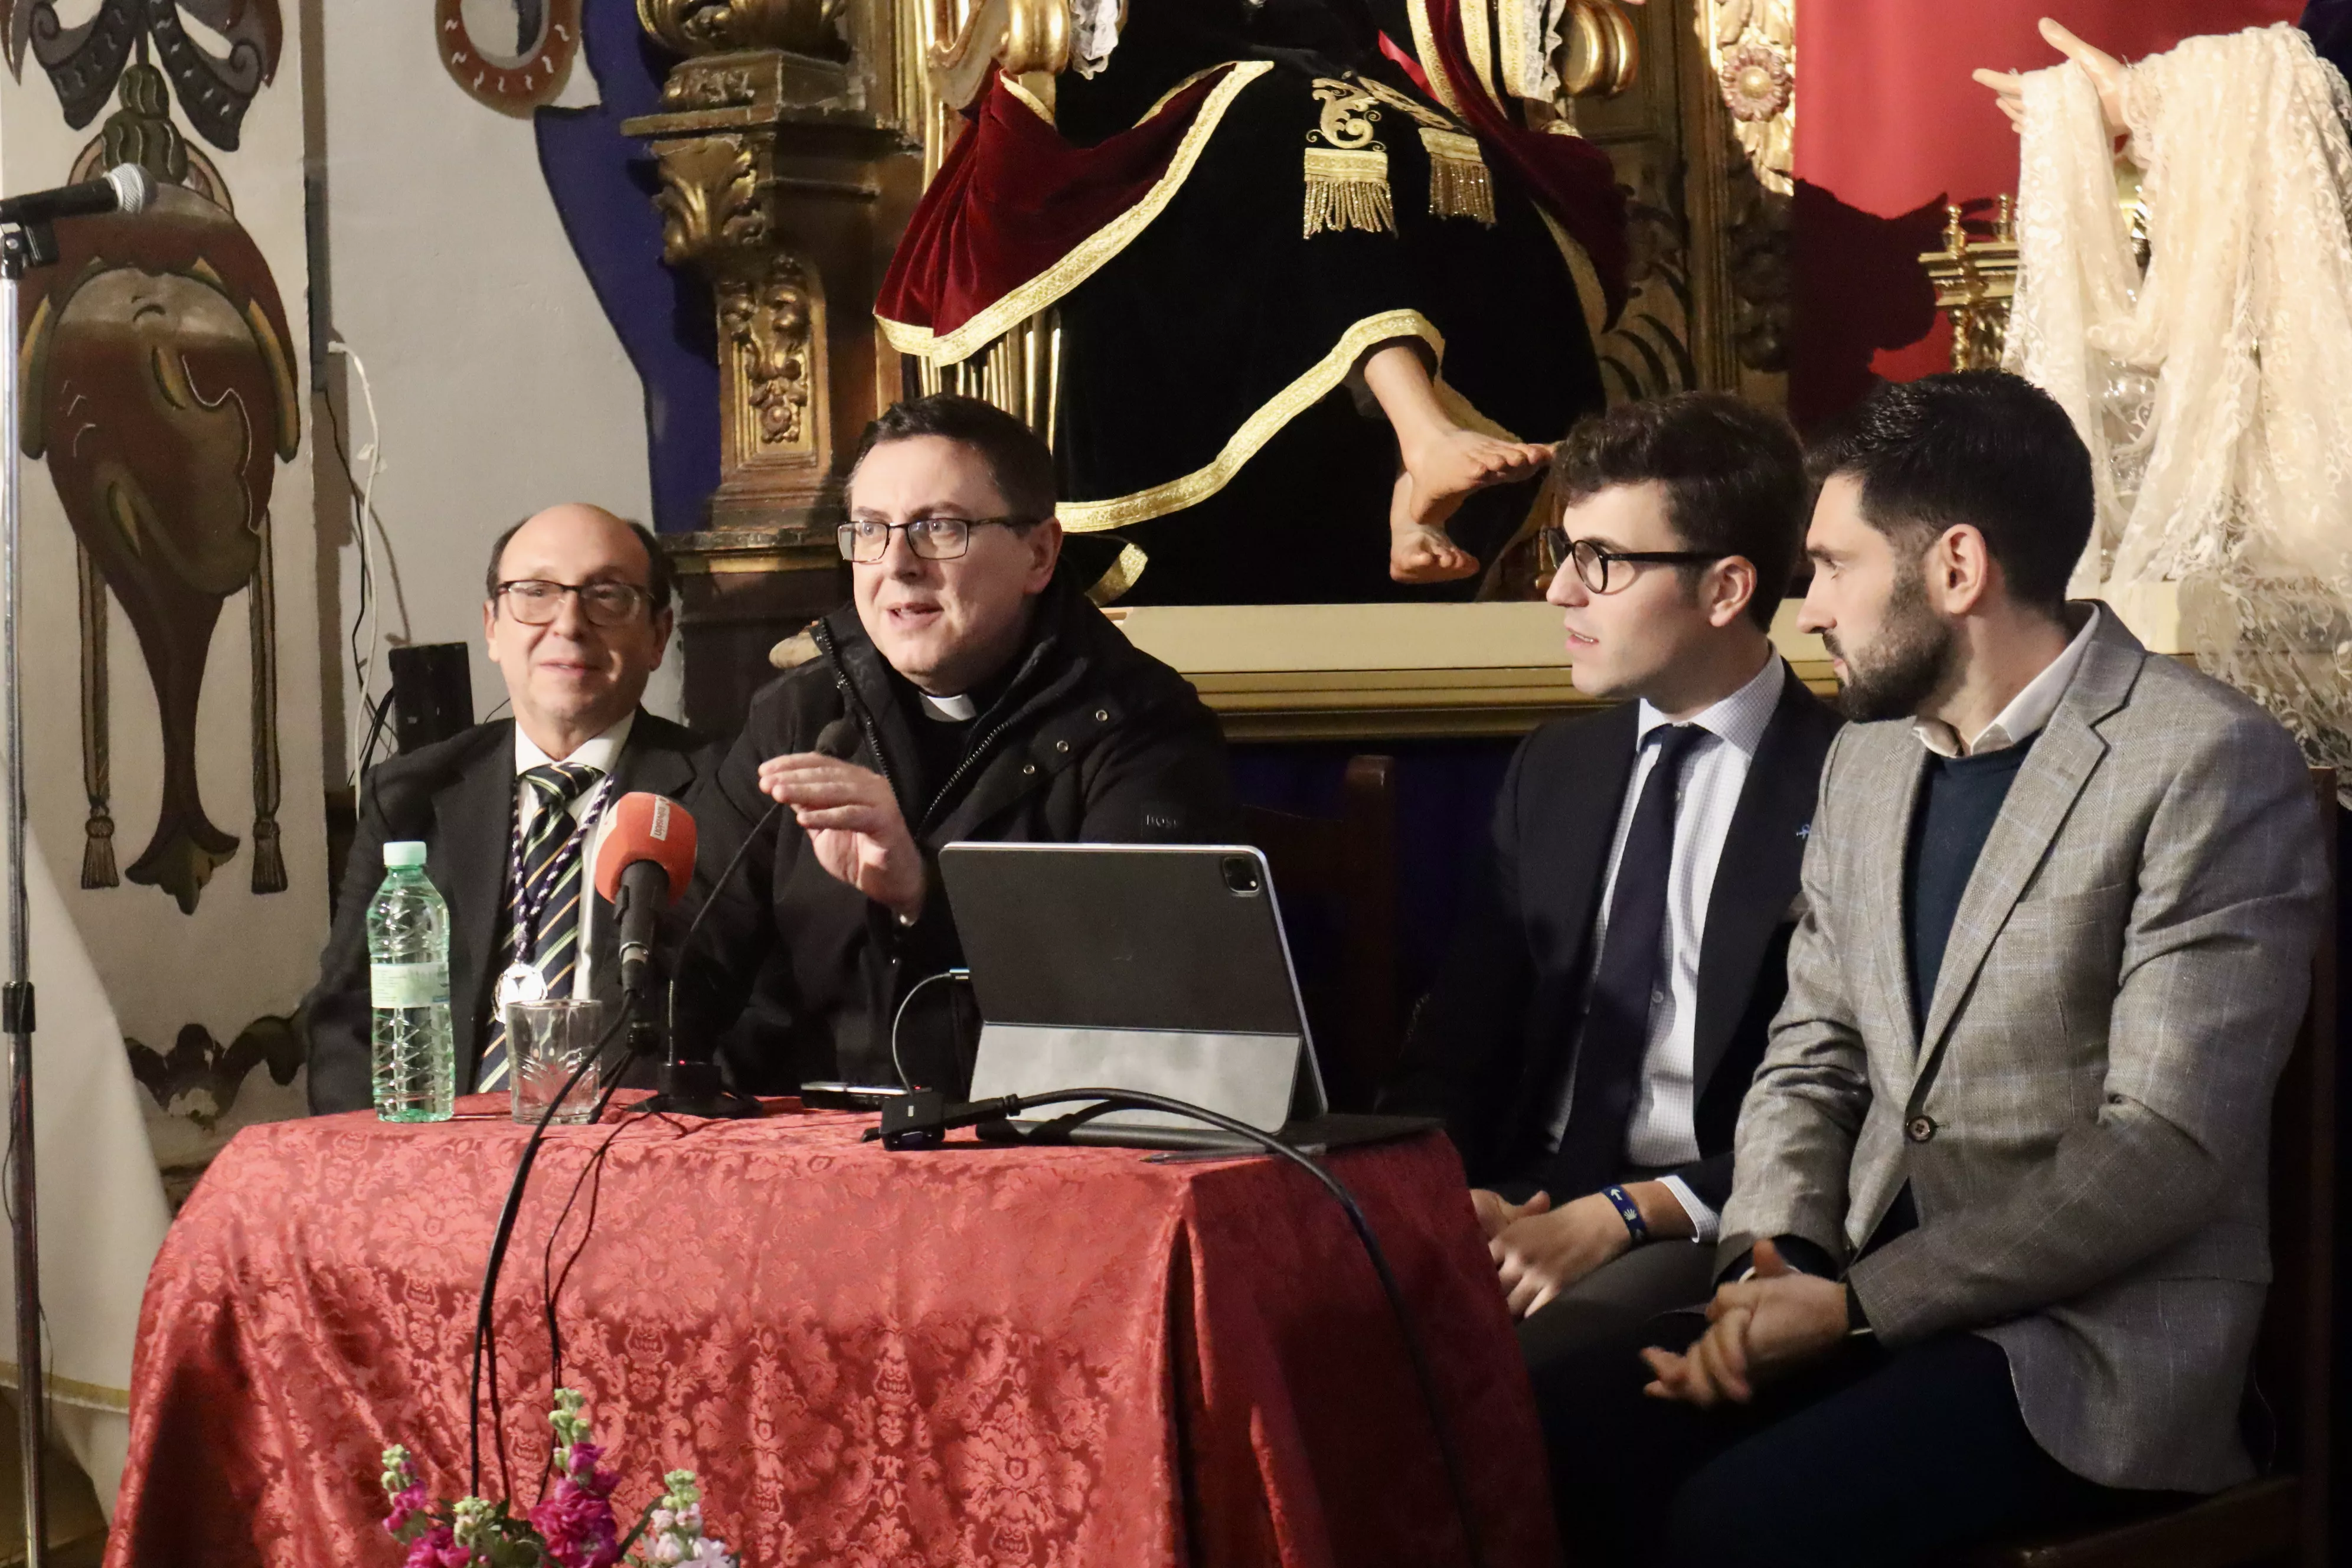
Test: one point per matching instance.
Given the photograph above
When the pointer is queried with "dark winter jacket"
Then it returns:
(795, 975)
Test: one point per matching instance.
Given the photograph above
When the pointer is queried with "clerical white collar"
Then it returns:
(948, 709)
(598, 752)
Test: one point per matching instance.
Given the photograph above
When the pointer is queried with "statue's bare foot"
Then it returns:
(1438, 476)
(1420, 552)
(1452, 462)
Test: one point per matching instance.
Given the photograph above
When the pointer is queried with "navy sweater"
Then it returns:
(1959, 800)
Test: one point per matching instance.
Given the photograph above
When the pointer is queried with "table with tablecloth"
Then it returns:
(971, 1355)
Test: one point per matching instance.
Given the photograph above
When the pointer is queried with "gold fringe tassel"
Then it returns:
(1348, 189)
(1458, 182)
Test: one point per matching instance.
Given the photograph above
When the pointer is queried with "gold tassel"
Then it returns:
(1348, 189)
(1458, 182)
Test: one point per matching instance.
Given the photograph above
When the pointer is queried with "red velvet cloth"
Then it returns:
(971, 1355)
(1011, 199)
(1570, 177)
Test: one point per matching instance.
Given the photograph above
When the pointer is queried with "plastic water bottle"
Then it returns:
(415, 1055)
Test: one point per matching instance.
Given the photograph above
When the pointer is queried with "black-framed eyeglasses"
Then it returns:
(1593, 561)
(536, 601)
(866, 540)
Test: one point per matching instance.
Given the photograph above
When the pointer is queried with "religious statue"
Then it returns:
(2203, 342)
(1303, 266)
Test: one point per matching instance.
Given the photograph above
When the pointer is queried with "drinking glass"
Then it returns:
(546, 1042)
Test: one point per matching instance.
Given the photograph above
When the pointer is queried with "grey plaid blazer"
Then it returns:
(2083, 1117)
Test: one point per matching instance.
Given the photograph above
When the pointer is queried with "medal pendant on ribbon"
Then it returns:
(522, 983)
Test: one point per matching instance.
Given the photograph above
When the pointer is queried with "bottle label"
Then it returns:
(408, 985)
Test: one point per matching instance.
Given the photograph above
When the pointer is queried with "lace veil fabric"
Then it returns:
(2213, 389)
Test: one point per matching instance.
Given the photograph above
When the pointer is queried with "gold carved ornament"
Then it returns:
(1600, 53)
(693, 27)
(1016, 36)
(709, 199)
(1752, 47)
(1974, 281)
(768, 323)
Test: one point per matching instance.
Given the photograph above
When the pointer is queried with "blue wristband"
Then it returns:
(1630, 1211)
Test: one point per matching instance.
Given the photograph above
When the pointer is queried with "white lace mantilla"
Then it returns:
(2213, 392)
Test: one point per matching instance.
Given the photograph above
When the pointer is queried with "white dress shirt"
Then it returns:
(1662, 1129)
(2027, 711)
(598, 752)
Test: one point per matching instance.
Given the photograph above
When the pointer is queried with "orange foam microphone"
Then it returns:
(646, 861)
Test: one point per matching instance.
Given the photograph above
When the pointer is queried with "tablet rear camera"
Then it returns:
(1241, 875)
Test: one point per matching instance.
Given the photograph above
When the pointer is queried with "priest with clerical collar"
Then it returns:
(966, 692)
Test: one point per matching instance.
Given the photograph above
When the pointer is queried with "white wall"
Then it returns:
(500, 386)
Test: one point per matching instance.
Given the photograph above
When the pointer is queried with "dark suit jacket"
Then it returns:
(1489, 1049)
(457, 795)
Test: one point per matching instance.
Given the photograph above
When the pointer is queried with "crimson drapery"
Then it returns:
(1011, 199)
(971, 1355)
(1890, 128)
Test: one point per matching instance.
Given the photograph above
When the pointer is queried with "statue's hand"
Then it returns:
(2106, 74)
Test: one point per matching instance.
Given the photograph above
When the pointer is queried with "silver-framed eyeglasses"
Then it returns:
(866, 539)
(1594, 560)
(536, 601)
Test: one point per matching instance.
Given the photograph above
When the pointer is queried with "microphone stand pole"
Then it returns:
(21, 249)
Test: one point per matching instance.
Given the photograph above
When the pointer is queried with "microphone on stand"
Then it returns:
(647, 864)
(125, 188)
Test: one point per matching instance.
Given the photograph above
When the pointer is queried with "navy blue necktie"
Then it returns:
(1616, 1036)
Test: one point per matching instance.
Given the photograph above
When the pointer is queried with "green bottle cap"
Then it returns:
(403, 853)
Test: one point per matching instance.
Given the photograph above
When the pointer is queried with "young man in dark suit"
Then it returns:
(1620, 956)
(576, 616)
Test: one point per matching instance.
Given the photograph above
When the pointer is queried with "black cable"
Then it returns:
(1124, 1098)
(377, 716)
(361, 510)
(551, 1283)
(718, 885)
(485, 1341)
(897, 1063)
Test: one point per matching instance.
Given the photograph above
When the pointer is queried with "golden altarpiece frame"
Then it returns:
(795, 135)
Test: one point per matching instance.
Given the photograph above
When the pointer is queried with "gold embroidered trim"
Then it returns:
(1013, 86)
(1163, 100)
(1478, 41)
(1424, 45)
(1348, 189)
(1113, 585)
(1347, 182)
(1088, 255)
(1589, 292)
(1459, 186)
(1404, 103)
(1310, 388)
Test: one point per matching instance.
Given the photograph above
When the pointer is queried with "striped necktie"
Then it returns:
(549, 878)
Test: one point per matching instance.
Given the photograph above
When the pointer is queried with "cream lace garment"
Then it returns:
(2215, 392)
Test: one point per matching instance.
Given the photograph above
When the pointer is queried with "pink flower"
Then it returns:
(438, 1548)
(409, 1500)
(575, 1519)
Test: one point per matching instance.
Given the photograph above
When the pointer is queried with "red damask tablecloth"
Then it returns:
(974, 1355)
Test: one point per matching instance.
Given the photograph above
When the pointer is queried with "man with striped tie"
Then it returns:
(576, 617)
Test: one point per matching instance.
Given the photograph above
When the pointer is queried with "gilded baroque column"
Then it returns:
(786, 176)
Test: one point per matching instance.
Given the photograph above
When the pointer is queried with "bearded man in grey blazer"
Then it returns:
(1997, 1243)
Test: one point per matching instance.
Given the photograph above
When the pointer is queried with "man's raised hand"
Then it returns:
(853, 824)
